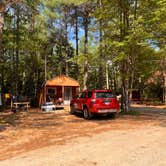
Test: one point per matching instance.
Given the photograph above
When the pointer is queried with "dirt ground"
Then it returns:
(58, 138)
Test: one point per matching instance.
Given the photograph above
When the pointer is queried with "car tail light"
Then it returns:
(93, 101)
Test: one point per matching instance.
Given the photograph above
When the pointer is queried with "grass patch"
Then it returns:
(131, 112)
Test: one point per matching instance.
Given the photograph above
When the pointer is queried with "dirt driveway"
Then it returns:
(61, 139)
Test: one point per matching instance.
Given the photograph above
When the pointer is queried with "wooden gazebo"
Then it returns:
(61, 87)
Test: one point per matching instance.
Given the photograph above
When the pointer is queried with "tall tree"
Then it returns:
(101, 56)
(86, 9)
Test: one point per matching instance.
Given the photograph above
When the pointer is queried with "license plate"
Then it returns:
(106, 103)
(107, 110)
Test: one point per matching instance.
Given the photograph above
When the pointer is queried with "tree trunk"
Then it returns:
(135, 9)
(107, 75)
(100, 73)
(76, 28)
(2, 8)
(126, 101)
(164, 88)
(125, 87)
(76, 37)
(114, 79)
(17, 48)
(86, 53)
(1, 52)
(34, 53)
(124, 19)
(131, 57)
(66, 38)
(131, 70)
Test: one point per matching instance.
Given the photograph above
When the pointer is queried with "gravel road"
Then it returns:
(139, 146)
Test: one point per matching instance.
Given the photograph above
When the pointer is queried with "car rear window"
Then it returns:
(104, 95)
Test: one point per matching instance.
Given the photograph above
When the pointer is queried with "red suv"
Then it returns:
(92, 102)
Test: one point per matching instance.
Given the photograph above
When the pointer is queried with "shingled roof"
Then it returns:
(62, 81)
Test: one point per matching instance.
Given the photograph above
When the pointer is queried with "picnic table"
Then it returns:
(20, 105)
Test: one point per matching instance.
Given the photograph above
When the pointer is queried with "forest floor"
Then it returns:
(35, 138)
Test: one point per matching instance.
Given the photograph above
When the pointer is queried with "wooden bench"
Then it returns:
(20, 105)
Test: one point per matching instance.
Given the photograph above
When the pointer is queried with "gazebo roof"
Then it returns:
(62, 81)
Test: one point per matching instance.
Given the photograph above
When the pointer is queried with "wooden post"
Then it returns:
(63, 93)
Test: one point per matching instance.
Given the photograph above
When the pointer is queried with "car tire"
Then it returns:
(72, 111)
(112, 115)
(87, 114)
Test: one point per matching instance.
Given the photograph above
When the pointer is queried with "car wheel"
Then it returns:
(72, 111)
(112, 115)
(87, 113)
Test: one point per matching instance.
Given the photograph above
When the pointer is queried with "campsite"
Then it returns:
(82, 82)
